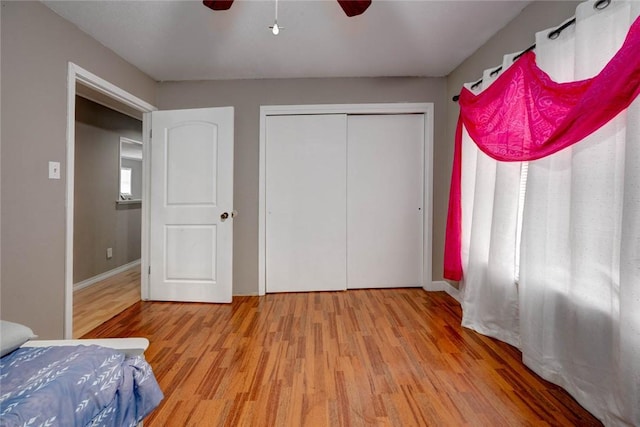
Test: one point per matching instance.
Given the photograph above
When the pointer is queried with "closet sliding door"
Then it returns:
(344, 201)
(306, 194)
(385, 176)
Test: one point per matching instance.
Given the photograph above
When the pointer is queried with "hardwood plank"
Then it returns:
(389, 357)
(99, 302)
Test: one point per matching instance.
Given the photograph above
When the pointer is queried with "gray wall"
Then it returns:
(247, 96)
(98, 222)
(36, 46)
(519, 34)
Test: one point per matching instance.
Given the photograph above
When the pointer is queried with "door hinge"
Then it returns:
(150, 133)
(149, 270)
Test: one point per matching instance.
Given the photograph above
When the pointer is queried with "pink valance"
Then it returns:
(524, 115)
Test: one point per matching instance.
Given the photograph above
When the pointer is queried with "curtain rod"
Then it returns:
(554, 34)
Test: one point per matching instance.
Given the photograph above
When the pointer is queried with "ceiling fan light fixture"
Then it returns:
(218, 4)
(354, 7)
(275, 28)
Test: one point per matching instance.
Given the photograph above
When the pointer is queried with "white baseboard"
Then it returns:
(95, 279)
(250, 294)
(441, 285)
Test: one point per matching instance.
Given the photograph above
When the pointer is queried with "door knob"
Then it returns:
(224, 216)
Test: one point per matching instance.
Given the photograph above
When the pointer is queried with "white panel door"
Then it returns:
(306, 203)
(385, 200)
(191, 201)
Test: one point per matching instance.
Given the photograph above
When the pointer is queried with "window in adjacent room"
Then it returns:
(125, 182)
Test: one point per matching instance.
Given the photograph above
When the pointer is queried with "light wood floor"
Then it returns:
(361, 357)
(99, 302)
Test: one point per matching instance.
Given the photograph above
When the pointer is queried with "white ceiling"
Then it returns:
(184, 40)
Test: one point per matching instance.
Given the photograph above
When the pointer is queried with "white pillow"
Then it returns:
(12, 336)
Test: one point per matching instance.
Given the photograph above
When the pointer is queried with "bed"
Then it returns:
(74, 382)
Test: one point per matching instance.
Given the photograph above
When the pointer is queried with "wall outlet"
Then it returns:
(109, 253)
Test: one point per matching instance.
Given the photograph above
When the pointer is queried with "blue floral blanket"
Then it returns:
(75, 386)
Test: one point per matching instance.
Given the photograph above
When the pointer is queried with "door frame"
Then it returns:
(388, 108)
(75, 75)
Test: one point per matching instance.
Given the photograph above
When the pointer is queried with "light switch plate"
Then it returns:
(54, 170)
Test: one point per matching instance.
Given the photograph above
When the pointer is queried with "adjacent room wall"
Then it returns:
(248, 95)
(100, 223)
(36, 46)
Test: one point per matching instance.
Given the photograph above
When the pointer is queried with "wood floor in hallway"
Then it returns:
(99, 302)
(356, 358)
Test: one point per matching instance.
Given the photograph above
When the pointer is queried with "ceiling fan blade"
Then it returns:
(354, 7)
(218, 4)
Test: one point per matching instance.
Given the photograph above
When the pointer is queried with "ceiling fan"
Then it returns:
(350, 7)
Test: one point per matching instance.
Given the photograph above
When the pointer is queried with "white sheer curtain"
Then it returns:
(580, 260)
(490, 194)
(575, 311)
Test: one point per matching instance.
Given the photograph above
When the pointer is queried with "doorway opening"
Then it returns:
(91, 88)
(107, 219)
